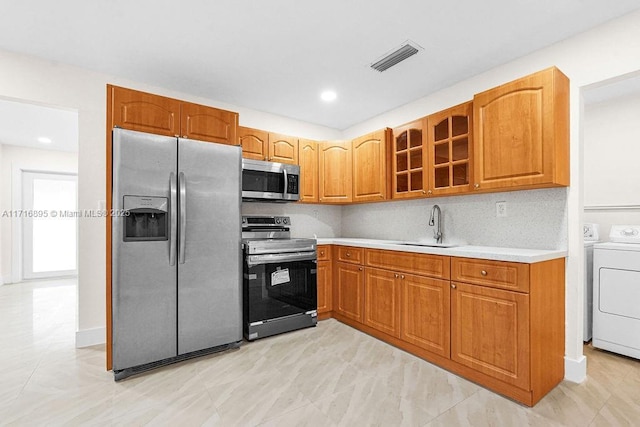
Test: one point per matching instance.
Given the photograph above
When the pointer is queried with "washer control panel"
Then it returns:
(625, 233)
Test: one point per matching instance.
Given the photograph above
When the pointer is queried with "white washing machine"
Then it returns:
(591, 235)
(616, 292)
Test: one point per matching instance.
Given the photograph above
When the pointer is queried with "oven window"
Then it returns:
(282, 289)
(269, 182)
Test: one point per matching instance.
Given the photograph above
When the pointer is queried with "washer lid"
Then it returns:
(625, 233)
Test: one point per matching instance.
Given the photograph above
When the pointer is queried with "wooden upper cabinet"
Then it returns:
(283, 149)
(208, 124)
(335, 172)
(144, 112)
(449, 138)
(521, 133)
(370, 167)
(254, 142)
(409, 177)
(308, 158)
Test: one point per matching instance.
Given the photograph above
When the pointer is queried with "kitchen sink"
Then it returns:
(430, 245)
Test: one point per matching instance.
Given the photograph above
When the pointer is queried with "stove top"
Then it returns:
(263, 234)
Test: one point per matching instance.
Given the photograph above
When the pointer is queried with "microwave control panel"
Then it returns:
(292, 184)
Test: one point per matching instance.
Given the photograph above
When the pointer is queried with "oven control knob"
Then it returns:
(285, 220)
(278, 220)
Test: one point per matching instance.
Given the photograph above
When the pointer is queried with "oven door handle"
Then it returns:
(253, 260)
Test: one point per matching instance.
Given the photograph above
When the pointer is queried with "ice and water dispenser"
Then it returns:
(146, 218)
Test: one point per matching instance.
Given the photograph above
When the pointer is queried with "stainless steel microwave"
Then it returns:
(270, 181)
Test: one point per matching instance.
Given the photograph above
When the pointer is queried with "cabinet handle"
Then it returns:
(483, 272)
(429, 192)
(402, 276)
(476, 186)
(453, 286)
(424, 192)
(348, 254)
(322, 253)
(360, 268)
(396, 275)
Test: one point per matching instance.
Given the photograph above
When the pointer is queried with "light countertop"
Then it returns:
(528, 256)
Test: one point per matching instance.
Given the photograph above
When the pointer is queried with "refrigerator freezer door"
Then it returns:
(209, 281)
(143, 281)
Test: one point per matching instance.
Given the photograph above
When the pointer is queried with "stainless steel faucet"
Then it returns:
(437, 232)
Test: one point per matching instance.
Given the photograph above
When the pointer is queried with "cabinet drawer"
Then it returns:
(324, 252)
(496, 274)
(350, 254)
(408, 262)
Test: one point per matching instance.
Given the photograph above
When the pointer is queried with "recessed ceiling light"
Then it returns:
(44, 140)
(328, 96)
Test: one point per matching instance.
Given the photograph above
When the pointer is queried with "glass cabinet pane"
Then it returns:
(401, 162)
(441, 177)
(416, 180)
(401, 142)
(461, 174)
(415, 161)
(460, 149)
(441, 154)
(459, 125)
(402, 183)
(441, 130)
(415, 138)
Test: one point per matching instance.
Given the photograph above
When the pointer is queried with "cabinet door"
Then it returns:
(409, 178)
(425, 311)
(208, 124)
(334, 182)
(449, 139)
(254, 142)
(490, 332)
(521, 133)
(309, 171)
(382, 300)
(369, 167)
(283, 149)
(348, 300)
(144, 112)
(324, 287)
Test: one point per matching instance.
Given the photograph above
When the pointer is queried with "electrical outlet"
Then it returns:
(501, 209)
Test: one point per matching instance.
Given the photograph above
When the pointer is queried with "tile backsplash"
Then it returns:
(536, 219)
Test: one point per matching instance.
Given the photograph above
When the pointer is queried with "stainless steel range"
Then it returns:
(280, 289)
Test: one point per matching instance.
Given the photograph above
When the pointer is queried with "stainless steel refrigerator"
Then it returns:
(176, 250)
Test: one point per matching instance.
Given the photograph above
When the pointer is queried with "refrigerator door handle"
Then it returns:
(173, 215)
(183, 216)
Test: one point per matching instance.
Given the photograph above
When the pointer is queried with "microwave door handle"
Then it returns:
(173, 215)
(183, 216)
(286, 183)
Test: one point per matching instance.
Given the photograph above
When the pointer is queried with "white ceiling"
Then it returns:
(278, 55)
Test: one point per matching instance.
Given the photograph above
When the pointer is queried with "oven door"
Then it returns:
(279, 285)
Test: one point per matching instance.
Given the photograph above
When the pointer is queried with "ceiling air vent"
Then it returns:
(407, 49)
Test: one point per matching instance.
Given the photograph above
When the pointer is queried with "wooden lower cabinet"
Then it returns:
(490, 332)
(324, 281)
(503, 329)
(425, 307)
(349, 291)
(382, 300)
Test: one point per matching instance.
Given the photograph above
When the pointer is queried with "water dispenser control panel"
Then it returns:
(146, 219)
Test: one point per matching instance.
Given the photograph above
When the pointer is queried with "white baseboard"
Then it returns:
(5, 280)
(575, 370)
(89, 337)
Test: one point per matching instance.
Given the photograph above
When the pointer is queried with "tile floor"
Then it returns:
(324, 376)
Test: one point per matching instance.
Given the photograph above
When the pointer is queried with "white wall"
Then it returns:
(611, 163)
(15, 158)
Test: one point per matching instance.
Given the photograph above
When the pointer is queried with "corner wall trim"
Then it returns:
(89, 337)
(575, 370)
